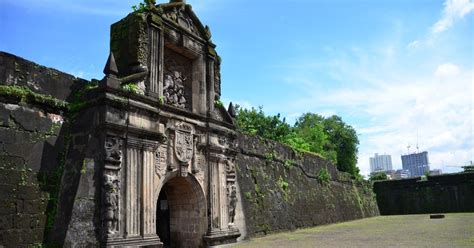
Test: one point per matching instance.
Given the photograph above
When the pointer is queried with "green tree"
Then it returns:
(342, 139)
(378, 176)
(309, 127)
(255, 122)
(330, 137)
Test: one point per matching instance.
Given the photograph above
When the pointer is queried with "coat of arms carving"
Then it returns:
(183, 143)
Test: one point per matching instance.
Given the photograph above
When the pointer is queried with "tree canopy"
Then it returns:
(378, 176)
(329, 137)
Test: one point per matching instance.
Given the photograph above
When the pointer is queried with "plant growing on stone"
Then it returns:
(289, 163)
(219, 103)
(143, 6)
(131, 87)
(324, 176)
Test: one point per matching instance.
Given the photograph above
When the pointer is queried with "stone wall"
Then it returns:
(32, 138)
(282, 189)
(438, 194)
(50, 162)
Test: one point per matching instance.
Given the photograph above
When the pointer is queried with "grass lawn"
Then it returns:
(455, 230)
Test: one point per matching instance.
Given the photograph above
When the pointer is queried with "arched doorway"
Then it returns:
(181, 213)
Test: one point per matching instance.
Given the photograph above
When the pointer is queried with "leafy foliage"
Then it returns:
(330, 137)
(378, 176)
(143, 6)
(324, 176)
(131, 87)
(255, 122)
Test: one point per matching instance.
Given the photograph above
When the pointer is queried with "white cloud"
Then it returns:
(400, 106)
(453, 11)
(447, 70)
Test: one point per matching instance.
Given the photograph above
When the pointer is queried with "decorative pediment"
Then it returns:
(181, 14)
(221, 114)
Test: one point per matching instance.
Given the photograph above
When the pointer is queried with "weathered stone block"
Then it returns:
(29, 120)
(6, 222)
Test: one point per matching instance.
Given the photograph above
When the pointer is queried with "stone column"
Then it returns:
(215, 193)
(210, 73)
(155, 82)
(148, 201)
(199, 99)
(219, 231)
(134, 163)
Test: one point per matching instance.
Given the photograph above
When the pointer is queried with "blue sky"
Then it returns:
(399, 71)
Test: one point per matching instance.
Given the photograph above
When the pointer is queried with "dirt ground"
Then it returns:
(455, 230)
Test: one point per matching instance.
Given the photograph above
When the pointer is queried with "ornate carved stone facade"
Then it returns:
(172, 149)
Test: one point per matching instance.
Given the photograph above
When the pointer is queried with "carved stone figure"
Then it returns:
(111, 208)
(113, 149)
(173, 89)
(232, 202)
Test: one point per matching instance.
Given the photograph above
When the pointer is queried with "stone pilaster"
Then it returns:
(155, 80)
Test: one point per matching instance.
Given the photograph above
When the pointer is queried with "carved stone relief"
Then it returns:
(217, 79)
(232, 202)
(179, 16)
(110, 190)
(173, 89)
(231, 191)
(161, 156)
(184, 143)
(195, 165)
(113, 149)
(177, 80)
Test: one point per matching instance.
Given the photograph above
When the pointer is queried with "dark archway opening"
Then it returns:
(181, 213)
(163, 217)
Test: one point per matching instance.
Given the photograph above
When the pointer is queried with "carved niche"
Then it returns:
(177, 80)
(231, 190)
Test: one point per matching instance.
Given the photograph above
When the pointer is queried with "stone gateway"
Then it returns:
(167, 177)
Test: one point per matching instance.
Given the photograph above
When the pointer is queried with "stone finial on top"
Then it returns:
(111, 67)
(231, 110)
(110, 79)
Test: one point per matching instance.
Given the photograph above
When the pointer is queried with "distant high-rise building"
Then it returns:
(435, 172)
(417, 163)
(380, 163)
(401, 174)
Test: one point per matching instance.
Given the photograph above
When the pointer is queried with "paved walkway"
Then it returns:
(455, 230)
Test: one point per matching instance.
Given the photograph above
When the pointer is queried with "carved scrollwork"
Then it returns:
(161, 155)
(180, 17)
